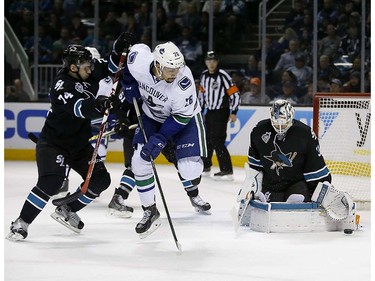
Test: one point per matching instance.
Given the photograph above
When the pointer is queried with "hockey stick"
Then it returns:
(238, 216)
(178, 245)
(115, 88)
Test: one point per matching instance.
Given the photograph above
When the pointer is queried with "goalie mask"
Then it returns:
(169, 56)
(282, 114)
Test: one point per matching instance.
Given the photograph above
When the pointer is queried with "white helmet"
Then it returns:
(168, 55)
(282, 115)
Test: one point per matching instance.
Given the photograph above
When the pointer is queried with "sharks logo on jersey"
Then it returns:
(280, 159)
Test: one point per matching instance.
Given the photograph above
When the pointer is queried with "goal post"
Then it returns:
(342, 125)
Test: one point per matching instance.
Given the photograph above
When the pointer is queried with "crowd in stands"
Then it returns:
(288, 60)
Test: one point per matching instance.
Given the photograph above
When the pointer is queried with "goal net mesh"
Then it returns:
(342, 124)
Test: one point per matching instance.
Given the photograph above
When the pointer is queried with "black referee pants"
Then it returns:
(216, 133)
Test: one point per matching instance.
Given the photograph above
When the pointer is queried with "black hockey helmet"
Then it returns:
(76, 54)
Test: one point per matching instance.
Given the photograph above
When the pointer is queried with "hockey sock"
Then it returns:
(34, 204)
(191, 187)
(127, 184)
(83, 201)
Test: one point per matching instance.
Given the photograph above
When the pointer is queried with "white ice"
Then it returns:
(109, 249)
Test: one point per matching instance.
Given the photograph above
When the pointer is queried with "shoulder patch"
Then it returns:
(132, 56)
(184, 83)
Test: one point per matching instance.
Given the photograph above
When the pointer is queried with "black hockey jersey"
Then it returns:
(284, 162)
(72, 107)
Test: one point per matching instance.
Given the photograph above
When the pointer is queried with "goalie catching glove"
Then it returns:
(336, 203)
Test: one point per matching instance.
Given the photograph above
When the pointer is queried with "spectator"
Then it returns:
(54, 26)
(284, 40)
(252, 69)
(302, 72)
(132, 26)
(274, 90)
(351, 43)
(330, 44)
(254, 96)
(144, 17)
(202, 31)
(161, 19)
(15, 92)
(189, 14)
(77, 29)
(238, 79)
(287, 59)
(354, 83)
(309, 97)
(323, 84)
(110, 27)
(288, 92)
(45, 46)
(60, 45)
(327, 69)
(24, 26)
(191, 48)
(171, 30)
(329, 11)
(104, 47)
(336, 86)
(294, 19)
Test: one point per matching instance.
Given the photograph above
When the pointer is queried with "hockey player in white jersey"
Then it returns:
(171, 111)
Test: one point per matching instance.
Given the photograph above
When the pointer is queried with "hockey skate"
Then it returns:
(149, 223)
(118, 208)
(199, 205)
(18, 230)
(66, 217)
(206, 172)
(223, 176)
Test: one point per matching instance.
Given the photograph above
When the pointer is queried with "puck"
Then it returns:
(348, 231)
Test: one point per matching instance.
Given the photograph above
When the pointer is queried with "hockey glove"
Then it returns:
(124, 41)
(122, 129)
(102, 103)
(153, 147)
(131, 91)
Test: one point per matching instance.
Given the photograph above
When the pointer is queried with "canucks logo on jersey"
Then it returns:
(280, 159)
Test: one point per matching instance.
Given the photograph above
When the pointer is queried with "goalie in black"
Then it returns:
(285, 165)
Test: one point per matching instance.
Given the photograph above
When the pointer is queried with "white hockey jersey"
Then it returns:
(162, 99)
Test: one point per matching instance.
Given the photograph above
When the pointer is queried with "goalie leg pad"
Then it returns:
(337, 204)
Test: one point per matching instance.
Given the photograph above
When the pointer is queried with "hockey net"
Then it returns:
(342, 124)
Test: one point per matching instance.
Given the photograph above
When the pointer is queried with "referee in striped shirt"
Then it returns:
(220, 98)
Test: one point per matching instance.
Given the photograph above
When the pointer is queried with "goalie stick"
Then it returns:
(115, 89)
(178, 245)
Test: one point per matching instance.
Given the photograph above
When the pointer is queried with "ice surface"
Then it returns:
(109, 249)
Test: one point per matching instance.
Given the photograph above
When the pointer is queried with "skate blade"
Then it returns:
(61, 220)
(203, 212)
(120, 214)
(155, 225)
(14, 236)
